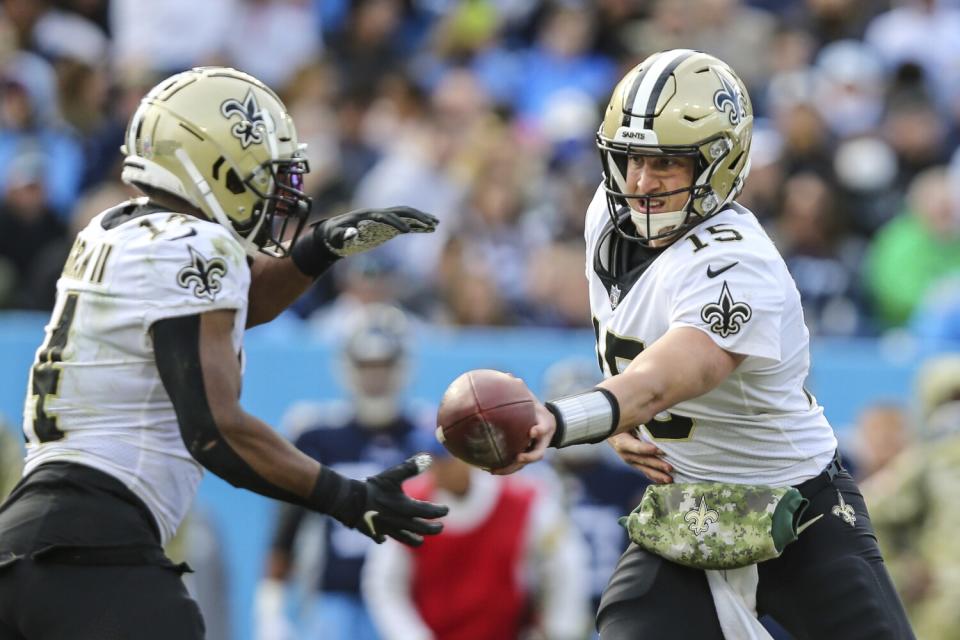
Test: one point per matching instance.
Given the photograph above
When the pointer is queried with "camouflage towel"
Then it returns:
(716, 525)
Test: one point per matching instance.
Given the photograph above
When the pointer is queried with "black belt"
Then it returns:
(815, 485)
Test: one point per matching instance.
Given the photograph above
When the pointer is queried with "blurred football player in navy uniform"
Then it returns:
(356, 438)
(135, 389)
(701, 337)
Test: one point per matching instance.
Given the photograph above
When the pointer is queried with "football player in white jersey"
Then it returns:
(701, 337)
(136, 386)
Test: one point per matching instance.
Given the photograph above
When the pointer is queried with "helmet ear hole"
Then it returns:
(733, 163)
(234, 183)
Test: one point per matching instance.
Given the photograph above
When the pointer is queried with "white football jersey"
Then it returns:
(95, 396)
(725, 278)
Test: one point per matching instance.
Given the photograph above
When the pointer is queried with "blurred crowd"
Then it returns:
(483, 112)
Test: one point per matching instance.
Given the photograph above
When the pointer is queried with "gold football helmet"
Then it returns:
(222, 141)
(681, 103)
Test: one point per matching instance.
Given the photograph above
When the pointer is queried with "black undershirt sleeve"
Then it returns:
(176, 346)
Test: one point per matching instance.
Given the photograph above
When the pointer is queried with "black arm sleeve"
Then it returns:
(176, 346)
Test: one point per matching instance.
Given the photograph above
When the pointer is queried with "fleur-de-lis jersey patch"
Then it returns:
(844, 511)
(250, 127)
(700, 519)
(726, 316)
(201, 275)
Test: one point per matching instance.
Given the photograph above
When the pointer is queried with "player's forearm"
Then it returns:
(639, 398)
(275, 283)
(644, 392)
(203, 383)
(684, 364)
(248, 454)
(271, 457)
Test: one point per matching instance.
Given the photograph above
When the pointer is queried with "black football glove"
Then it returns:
(355, 232)
(364, 229)
(381, 509)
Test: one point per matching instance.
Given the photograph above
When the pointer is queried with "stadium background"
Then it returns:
(483, 112)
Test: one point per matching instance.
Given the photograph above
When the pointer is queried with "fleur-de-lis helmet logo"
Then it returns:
(726, 316)
(202, 275)
(729, 99)
(700, 519)
(250, 127)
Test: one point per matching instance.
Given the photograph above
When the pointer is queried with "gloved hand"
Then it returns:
(364, 229)
(355, 232)
(379, 508)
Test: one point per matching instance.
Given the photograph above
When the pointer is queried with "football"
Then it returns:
(485, 418)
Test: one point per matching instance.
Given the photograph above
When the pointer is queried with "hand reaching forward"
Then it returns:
(642, 455)
(389, 512)
(364, 229)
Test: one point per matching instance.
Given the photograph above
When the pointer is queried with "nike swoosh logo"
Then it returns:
(192, 232)
(806, 524)
(368, 519)
(713, 274)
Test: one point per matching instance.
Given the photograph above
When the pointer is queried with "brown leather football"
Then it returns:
(485, 418)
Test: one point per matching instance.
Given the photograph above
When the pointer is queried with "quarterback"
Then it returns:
(135, 389)
(701, 337)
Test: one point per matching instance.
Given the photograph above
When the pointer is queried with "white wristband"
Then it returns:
(585, 417)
